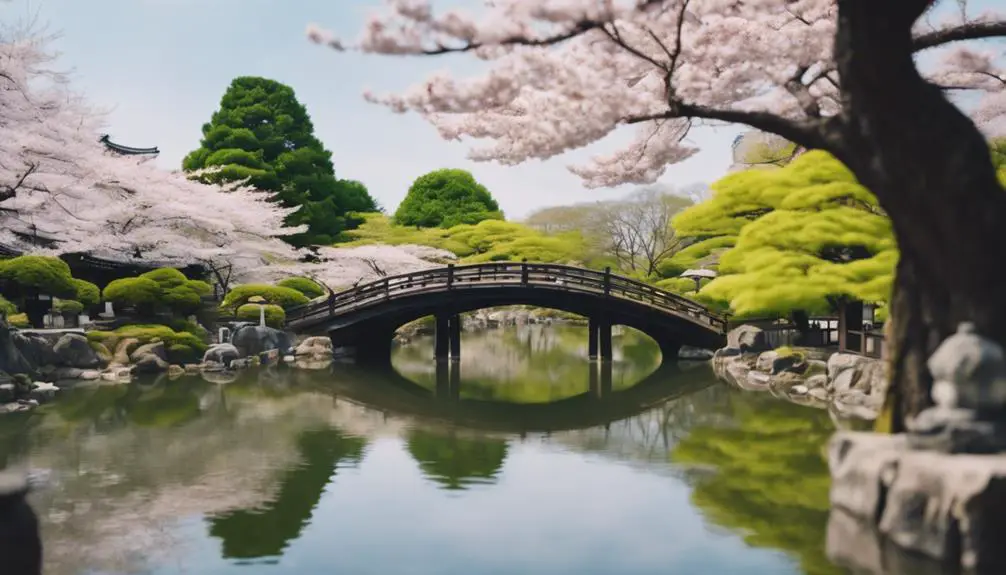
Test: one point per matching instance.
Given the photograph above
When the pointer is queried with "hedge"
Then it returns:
(274, 315)
(310, 288)
(283, 297)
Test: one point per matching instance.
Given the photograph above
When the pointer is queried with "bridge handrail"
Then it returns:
(506, 273)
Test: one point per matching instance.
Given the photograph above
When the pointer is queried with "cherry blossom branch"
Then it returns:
(10, 191)
(968, 31)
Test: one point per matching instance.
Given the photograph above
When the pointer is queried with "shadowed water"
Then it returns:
(523, 470)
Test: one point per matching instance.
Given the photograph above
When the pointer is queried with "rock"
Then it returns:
(35, 348)
(727, 352)
(816, 367)
(305, 363)
(150, 363)
(243, 363)
(799, 389)
(156, 348)
(765, 361)
(747, 338)
(175, 371)
(315, 347)
(211, 366)
(791, 363)
(817, 381)
(16, 407)
(192, 368)
(122, 349)
(784, 382)
(43, 392)
(102, 352)
(757, 380)
(220, 377)
(89, 375)
(221, 353)
(20, 539)
(289, 358)
(839, 362)
(844, 381)
(819, 393)
(8, 392)
(694, 353)
(73, 350)
(118, 374)
(949, 507)
(253, 340)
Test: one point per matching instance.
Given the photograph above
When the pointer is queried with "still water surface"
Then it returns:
(289, 471)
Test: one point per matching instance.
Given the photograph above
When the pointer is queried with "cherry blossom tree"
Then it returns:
(62, 191)
(838, 75)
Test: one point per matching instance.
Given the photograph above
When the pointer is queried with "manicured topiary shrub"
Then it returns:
(141, 293)
(310, 288)
(67, 306)
(166, 277)
(274, 315)
(48, 275)
(148, 334)
(88, 294)
(178, 293)
(283, 297)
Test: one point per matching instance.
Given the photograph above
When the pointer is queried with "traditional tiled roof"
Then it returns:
(127, 150)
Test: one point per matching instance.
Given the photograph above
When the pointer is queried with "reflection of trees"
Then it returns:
(128, 463)
(650, 436)
(457, 462)
(770, 479)
(265, 531)
(529, 364)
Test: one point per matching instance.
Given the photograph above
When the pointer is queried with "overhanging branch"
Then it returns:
(970, 31)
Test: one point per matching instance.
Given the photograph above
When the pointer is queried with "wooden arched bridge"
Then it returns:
(366, 317)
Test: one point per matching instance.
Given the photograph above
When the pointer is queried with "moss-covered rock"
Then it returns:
(145, 334)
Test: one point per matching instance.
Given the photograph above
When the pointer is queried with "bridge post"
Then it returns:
(604, 327)
(606, 379)
(454, 383)
(524, 278)
(442, 337)
(593, 332)
(443, 374)
(594, 383)
(450, 275)
(607, 280)
(455, 336)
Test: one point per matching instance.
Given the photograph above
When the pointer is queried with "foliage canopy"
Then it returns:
(261, 134)
(445, 198)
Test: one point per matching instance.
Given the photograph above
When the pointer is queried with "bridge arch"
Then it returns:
(366, 317)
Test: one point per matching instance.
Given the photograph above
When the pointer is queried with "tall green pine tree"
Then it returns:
(263, 134)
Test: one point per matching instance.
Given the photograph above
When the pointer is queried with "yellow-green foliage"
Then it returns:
(19, 320)
(49, 275)
(805, 235)
(703, 253)
(133, 292)
(283, 297)
(310, 288)
(68, 306)
(6, 307)
(88, 294)
(147, 334)
(489, 240)
(274, 315)
(177, 292)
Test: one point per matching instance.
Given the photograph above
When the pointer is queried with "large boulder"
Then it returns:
(73, 350)
(150, 363)
(35, 348)
(748, 338)
(156, 348)
(254, 339)
(222, 354)
(12, 360)
(20, 540)
(317, 348)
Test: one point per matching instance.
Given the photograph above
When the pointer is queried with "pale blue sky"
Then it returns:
(162, 66)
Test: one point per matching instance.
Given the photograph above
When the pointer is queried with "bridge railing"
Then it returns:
(494, 274)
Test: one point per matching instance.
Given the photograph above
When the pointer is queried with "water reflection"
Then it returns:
(527, 364)
(294, 471)
(455, 461)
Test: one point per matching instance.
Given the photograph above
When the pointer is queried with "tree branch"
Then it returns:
(969, 31)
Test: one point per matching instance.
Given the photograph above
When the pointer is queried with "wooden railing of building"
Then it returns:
(506, 274)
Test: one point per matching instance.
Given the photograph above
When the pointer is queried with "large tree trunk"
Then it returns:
(931, 170)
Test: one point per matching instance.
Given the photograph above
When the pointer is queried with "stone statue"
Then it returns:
(969, 393)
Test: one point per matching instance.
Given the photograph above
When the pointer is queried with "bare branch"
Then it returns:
(969, 31)
(801, 92)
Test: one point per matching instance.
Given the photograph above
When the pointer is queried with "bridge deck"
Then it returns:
(504, 274)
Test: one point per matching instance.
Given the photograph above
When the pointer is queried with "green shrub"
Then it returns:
(178, 293)
(6, 307)
(283, 297)
(48, 275)
(180, 354)
(310, 288)
(19, 320)
(88, 294)
(146, 333)
(193, 327)
(138, 292)
(67, 306)
(166, 277)
(274, 315)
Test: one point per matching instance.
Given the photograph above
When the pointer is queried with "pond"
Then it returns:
(528, 466)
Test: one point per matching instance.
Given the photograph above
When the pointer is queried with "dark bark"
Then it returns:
(931, 171)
